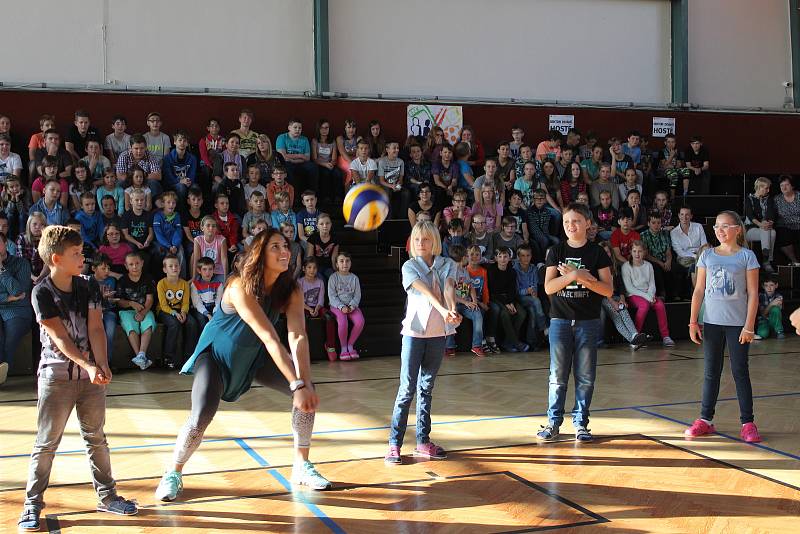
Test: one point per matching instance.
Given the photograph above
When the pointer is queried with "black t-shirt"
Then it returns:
(575, 302)
(193, 223)
(64, 159)
(74, 137)
(137, 291)
(696, 160)
(137, 225)
(322, 250)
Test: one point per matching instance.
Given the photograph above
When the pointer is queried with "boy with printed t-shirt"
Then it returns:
(173, 311)
(578, 276)
(391, 172)
(247, 137)
(307, 217)
(296, 151)
(73, 373)
(256, 213)
(158, 143)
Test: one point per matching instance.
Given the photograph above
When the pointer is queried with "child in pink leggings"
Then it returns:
(344, 295)
(640, 284)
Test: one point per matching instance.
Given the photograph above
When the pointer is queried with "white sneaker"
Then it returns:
(757, 337)
(142, 361)
(3, 372)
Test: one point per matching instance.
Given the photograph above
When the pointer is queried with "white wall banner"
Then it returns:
(663, 126)
(562, 123)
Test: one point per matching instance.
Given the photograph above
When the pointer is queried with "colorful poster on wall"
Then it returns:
(663, 126)
(562, 123)
(422, 117)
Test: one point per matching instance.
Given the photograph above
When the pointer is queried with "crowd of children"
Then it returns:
(163, 221)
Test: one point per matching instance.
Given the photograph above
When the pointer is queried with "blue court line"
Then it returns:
(386, 427)
(313, 508)
(728, 436)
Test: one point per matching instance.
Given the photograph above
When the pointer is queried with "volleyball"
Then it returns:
(365, 207)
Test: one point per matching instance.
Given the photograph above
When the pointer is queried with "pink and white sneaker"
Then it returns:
(750, 433)
(699, 428)
(430, 450)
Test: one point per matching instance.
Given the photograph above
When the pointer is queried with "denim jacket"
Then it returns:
(418, 307)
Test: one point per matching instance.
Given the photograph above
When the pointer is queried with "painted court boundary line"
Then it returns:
(641, 408)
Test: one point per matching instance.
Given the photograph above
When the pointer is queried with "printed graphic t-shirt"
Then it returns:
(576, 302)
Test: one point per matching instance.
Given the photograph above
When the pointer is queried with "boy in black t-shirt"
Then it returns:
(73, 373)
(505, 308)
(136, 298)
(578, 276)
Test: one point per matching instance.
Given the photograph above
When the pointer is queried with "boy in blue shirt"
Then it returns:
(307, 217)
(179, 168)
(528, 286)
(91, 220)
(296, 151)
(168, 230)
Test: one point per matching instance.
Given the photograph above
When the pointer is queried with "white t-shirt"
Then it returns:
(9, 165)
(362, 169)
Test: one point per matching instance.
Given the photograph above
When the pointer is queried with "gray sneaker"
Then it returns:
(3, 372)
(547, 433)
(583, 434)
(170, 487)
(142, 361)
(118, 505)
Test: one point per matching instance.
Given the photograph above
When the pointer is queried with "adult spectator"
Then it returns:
(687, 238)
(79, 133)
(138, 154)
(15, 305)
(787, 208)
(265, 157)
(760, 219)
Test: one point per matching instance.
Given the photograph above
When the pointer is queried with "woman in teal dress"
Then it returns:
(240, 345)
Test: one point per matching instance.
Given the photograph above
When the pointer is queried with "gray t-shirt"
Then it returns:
(726, 286)
(391, 170)
(158, 145)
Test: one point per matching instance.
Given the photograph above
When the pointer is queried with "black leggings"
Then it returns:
(206, 394)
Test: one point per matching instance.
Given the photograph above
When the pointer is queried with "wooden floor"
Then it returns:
(640, 475)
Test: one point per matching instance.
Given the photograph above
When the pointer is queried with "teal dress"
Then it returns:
(236, 349)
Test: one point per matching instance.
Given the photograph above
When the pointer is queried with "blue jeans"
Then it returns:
(420, 359)
(536, 318)
(110, 326)
(715, 337)
(11, 333)
(573, 347)
(476, 316)
(155, 187)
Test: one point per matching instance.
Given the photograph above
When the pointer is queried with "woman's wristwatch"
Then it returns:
(296, 384)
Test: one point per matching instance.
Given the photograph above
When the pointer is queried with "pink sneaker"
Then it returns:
(345, 356)
(430, 450)
(750, 433)
(354, 355)
(393, 456)
(699, 428)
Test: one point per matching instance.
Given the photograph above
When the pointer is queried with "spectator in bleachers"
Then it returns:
(615, 308)
(629, 183)
(79, 133)
(284, 212)
(248, 139)
(28, 243)
(254, 182)
(50, 173)
(622, 237)
(111, 189)
(525, 155)
(173, 311)
(323, 246)
(390, 175)
(507, 236)
(10, 162)
(455, 236)
(158, 143)
(572, 183)
(265, 157)
(169, 232)
(289, 231)
(11, 245)
(417, 169)
(505, 307)
(697, 161)
(551, 183)
(346, 149)
(459, 210)
(670, 168)
(573, 142)
(528, 289)
(296, 152)
(205, 292)
(136, 181)
(344, 295)
(101, 272)
(506, 163)
(526, 183)
(491, 177)
(563, 162)
(15, 305)
(362, 167)
(37, 140)
(231, 187)
(192, 216)
(540, 221)
(477, 156)
(136, 295)
(659, 255)
(221, 162)
(633, 201)
(640, 284)
(466, 303)
(687, 238)
(632, 148)
(434, 143)
(604, 183)
(49, 205)
(376, 140)
(605, 216)
(620, 161)
(137, 226)
(517, 136)
(425, 204)
(80, 184)
(15, 203)
(770, 310)
(550, 148)
(760, 217)
(96, 163)
(211, 145)
(277, 185)
(590, 165)
(466, 176)
(179, 167)
(138, 155)
(445, 176)
(662, 207)
(517, 211)
(91, 221)
(787, 225)
(325, 154)
(307, 217)
(489, 208)
(118, 141)
(228, 223)
(5, 128)
(256, 227)
(115, 248)
(255, 213)
(313, 289)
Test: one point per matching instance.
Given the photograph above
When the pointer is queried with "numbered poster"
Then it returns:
(562, 123)
(422, 117)
(663, 126)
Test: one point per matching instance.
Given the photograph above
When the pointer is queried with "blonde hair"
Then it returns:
(265, 139)
(39, 216)
(761, 181)
(426, 229)
(737, 220)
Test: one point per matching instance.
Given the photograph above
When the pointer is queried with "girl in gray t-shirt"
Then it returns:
(727, 283)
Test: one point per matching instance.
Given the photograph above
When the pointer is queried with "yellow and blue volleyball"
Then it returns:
(365, 207)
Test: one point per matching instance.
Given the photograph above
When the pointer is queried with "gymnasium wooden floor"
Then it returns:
(640, 475)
